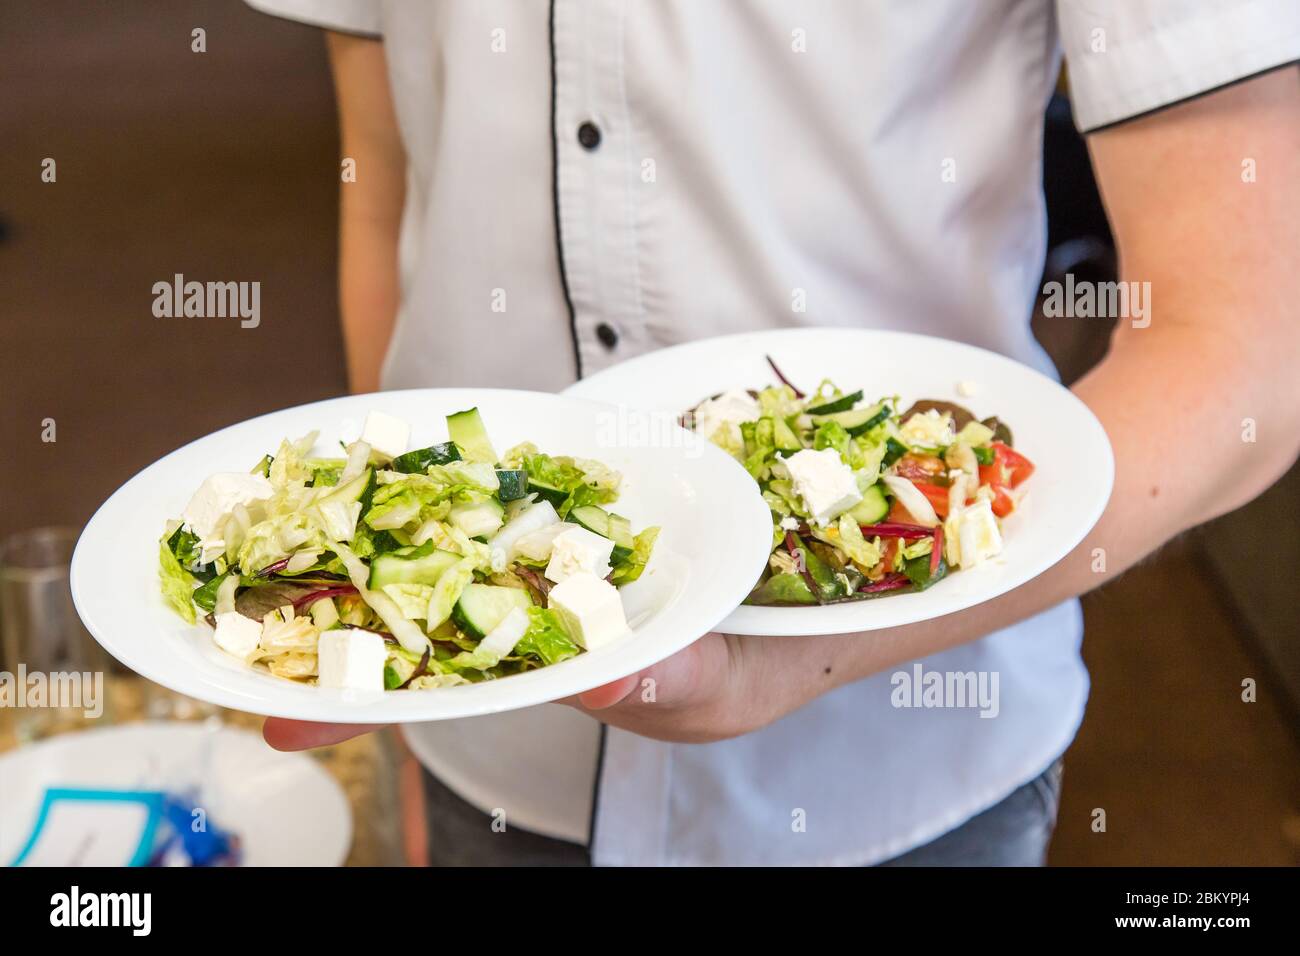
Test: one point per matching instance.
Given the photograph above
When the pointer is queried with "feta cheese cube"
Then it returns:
(590, 609)
(501, 640)
(385, 434)
(977, 534)
(209, 510)
(577, 550)
(824, 482)
(789, 523)
(237, 635)
(932, 429)
(726, 411)
(352, 658)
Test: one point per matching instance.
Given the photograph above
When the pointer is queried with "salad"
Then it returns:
(389, 568)
(866, 500)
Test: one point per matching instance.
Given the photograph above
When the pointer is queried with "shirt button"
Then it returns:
(608, 337)
(589, 135)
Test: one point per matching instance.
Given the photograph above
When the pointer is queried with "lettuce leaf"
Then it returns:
(546, 638)
(419, 497)
(846, 536)
(289, 466)
(586, 482)
(857, 453)
(367, 543)
(627, 571)
(206, 596)
(778, 401)
(411, 599)
(184, 546)
(396, 511)
(760, 446)
(275, 538)
(177, 583)
(869, 458)
(475, 660)
(514, 458)
(783, 489)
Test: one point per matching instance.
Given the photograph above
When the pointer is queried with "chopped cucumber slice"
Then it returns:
(324, 614)
(842, 404)
(545, 492)
(858, 420)
(422, 565)
(417, 462)
(784, 436)
(512, 484)
(614, 527)
(354, 490)
(468, 432)
(483, 606)
(872, 508)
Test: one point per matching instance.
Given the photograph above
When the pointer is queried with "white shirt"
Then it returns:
(876, 162)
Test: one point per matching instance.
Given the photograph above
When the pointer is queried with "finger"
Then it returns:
(285, 734)
(607, 695)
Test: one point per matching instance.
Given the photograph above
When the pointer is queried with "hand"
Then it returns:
(284, 734)
(698, 695)
(703, 693)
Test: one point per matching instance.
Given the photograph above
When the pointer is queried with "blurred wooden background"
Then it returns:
(224, 166)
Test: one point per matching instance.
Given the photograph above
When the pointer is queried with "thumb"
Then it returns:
(285, 734)
(607, 695)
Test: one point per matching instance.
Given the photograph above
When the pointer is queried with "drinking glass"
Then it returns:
(53, 676)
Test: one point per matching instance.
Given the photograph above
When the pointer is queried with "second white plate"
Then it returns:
(1067, 494)
(285, 808)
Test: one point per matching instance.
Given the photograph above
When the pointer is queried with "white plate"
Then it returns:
(285, 808)
(1067, 492)
(712, 547)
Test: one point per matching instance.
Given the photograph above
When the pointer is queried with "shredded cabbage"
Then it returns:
(299, 559)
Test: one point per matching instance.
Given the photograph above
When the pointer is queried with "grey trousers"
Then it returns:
(1014, 832)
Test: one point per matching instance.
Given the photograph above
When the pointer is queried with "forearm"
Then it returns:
(1180, 460)
(1220, 348)
(370, 205)
(369, 291)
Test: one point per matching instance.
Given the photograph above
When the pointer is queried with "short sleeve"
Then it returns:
(1129, 57)
(346, 16)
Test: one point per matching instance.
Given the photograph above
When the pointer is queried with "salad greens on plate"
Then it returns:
(866, 500)
(390, 568)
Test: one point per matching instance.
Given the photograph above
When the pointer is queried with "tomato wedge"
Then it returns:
(1013, 467)
(1003, 504)
(937, 496)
